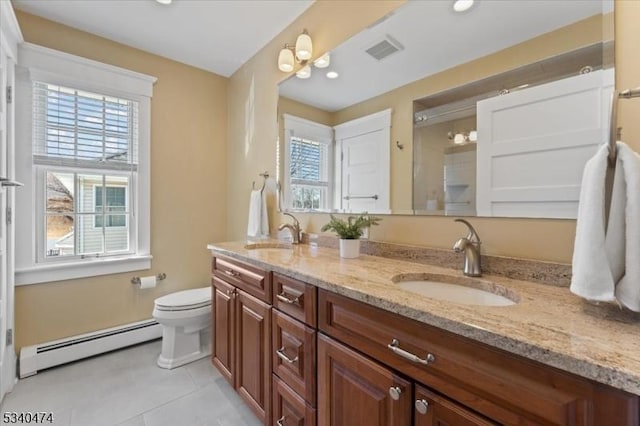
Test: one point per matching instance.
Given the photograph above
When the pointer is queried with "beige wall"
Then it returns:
(188, 189)
(252, 135)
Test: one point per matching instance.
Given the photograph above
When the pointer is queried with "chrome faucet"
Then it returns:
(296, 232)
(470, 245)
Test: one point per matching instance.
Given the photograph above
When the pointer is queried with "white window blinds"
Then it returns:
(77, 128)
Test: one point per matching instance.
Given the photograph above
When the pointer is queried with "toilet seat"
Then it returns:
(184, 300)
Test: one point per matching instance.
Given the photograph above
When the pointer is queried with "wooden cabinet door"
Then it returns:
(354, 390)
(434, 410)
(223, 350)
(253, 353)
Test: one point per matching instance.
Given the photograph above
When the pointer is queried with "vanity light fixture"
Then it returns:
(301, 52)
(462, 5)
(305, 72)
(165, 2)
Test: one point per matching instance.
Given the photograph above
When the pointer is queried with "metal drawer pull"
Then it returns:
(395, 392)
(395, 348)
(283, 356)
(421, 406)
(280, 421)
(232, 273)
(283, 298)
(231, 293)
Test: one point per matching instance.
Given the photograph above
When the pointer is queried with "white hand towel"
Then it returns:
(264, 216)
(606, 267)
(592, 276)
(628, 288)
(258, 223)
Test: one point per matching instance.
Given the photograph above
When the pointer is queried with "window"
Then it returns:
(308, 164)
(82, 140)
(87, 168)
(115, 199)
(309, 173)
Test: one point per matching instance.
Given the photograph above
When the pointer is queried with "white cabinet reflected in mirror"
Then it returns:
(492, 112)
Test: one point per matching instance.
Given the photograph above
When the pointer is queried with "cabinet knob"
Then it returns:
(395, 392)
(231, 293)
(421, 406)
(280, 421)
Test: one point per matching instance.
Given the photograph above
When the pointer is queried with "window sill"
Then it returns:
(87, 268)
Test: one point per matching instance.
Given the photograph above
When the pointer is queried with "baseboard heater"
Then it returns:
(49, 354)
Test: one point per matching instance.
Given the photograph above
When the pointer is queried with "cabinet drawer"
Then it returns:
(289, 409)
(294, 355)
(295, 298)
(432, 409)
(502, 386)
(253, 280)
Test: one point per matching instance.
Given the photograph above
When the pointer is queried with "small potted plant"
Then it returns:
(350, 231)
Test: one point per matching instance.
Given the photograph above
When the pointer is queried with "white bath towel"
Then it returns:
(258, 224)
(606, 266)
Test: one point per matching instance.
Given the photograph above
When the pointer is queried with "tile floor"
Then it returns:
(126, 388)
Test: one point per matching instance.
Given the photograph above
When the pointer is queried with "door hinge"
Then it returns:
(10, 337)
(9, 215)
(9, 94)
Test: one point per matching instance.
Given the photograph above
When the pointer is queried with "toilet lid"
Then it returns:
(187, 299)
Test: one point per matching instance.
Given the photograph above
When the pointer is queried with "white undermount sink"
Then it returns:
(463, 290)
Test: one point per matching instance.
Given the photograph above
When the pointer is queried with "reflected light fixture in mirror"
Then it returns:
(305, 72)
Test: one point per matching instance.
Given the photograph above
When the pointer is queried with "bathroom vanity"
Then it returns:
(308, 338)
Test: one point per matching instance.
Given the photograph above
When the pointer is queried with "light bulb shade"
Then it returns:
(462, 5)
(323, 61)
(305, 72)
(285, 60)
(459, 139)
(332, 74)
(304, 47)
(473, 136)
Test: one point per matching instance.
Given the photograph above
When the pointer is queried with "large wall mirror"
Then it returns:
(490, 112)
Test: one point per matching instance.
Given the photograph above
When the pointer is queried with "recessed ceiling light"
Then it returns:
(332, 74)
(164, 1)
(462, 5)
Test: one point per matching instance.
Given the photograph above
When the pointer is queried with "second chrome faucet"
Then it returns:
(296, 231)
(470, 246)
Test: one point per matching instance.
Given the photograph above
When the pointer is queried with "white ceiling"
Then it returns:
(215, 35)
(435, 39)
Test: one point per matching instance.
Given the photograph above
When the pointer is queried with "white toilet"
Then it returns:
(185, 317)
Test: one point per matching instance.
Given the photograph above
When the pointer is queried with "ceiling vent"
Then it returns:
(384, 48)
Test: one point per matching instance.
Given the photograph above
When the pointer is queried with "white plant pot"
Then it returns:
(349, 249)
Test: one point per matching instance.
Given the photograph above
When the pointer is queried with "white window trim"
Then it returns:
(306, 129)
(43, 64)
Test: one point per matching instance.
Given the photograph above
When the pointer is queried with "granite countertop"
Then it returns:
(548, 324)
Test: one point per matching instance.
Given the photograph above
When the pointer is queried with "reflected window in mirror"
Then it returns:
(308, 164)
